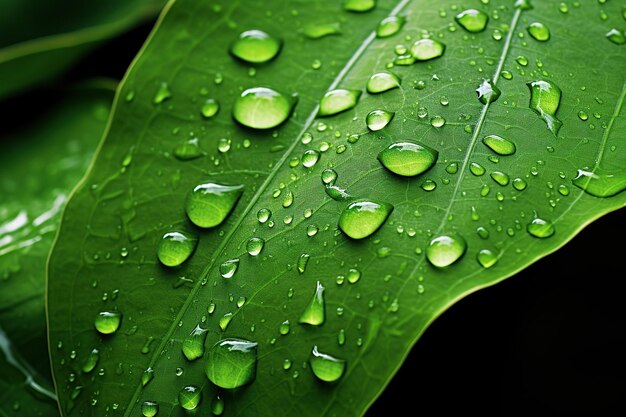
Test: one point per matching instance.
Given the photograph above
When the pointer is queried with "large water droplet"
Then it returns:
(426, 49)
(389, 26)
(193, 345)
(487, 92)
(359, 6)
(231, 363)
(540, 228)
(314, 313)
(176, 247)
(107, 322)
(262, 108)
(228, 268)
(545, 98)
(362, 218)
(255, 46)
(149, 408)
(601, 183)
(325, 367)
(539, 31)
(472, 20)
(444, 250)
(189, 397)
(338, 100)
(378, 119)
(499, 145)
(408, 158)
(209, 204)
(381, 82)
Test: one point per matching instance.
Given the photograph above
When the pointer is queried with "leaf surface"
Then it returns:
(137, 189)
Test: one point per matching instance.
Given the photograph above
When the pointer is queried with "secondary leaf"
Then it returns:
(39, 165)
(281, 272)
(41, 39)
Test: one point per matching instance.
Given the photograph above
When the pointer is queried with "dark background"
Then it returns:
(549, 340)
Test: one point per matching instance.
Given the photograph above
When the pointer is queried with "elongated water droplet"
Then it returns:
(210, 108)
(303, 260)
(500, 177)
(176, 247)
(540, 228)
(325, 367)
(338, 100)
(225, 321)
(209, 204)
(378, 119)
(477, 169)
(359, 6)
(381, 82)
(445, 250)
(193, 345)
(472, 20)
(499, 145)
(616, 36)
(217, 405)
(362, 218)
(255, 246)
(149, 408)
(163, 93)
(337, 193)
(107, 322)
(188, 150)
(320, 30)
(427, 49)
(228, 268)
(487, 92)
(189, 397)
(91, 361)
(262, 108)
(539, 31)
(231, 363)
(288, 200)
(314, 313)
(408, 158)
(486, 258)
(389, 26)
(601, 183)
(255, 46)
(545, 98)
(147, 376)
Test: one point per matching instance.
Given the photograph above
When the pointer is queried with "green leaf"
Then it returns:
(42, 39)
(312, 293)
(41, 161)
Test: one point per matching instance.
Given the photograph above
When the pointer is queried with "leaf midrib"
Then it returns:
(281, 162)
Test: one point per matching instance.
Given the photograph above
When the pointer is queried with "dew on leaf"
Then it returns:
(91, 361)
(229, 267)
(600, 183)
(519, 184)
(188, 150)
(499, 145)
(325, 367)
(255, 46)
(310, 158)
(303, 260)
(359, 6)
(408, 158)
(254, 246)
(486, 258)
(437, 121)
(389, 26)
(444, 250)
(231, 363)
(337, 101)
(263, 215)
(314, 313)
(209, 108)
(545, 98)
(217, 405)
(329, 176)
(209, 204)
(378, 119)
(362, 218)
(381, 82)
(540, 228)
(487, 92)
(321, 30)
(500, 177)
(176, 247)
(262, 108)
(149, 408)
(427, 49)
(539, 31)
(193, 345)
(477, 169)
(472, 20)
(163, 93)
(107, 322)
(189, 397)
(616, 36)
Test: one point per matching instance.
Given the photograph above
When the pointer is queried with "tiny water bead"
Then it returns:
(209, 204)
(255, 46)
(362, 218)
(378, 119)
(408, 158)
(255, 246)
(176, 247)
(381, 82)
(149, 408)
(389, 26)
(315, 311)
(540, 228)
(228, 268)
(325, 367)
(189, 397)
(359, 6)
(193, 345)
(545, 98)
(427, 49)
(487, 92)
(338, 100)
(231, 363)
(539, 31)
(472, 20)
(107, 322)
(209, 108)
(487, 258)
(600, 183)
(262, 108)
(444, 250)
(499, 145)
(188, 150)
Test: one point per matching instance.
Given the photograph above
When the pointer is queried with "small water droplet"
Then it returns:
(255, 46)
(231, 363)
(354, 275)
(262, 108)
(522, 60)
(193, 345)
(545, 98)
(209, 204)
(389, 26)
(487, 92)
(477, 169)
(107, 322)
(284, 327)
(188, 150)
(228, 268)
(329, 176)
(225, 321)
(255, 246)
(359, 6)
(408, 158)
(540, 228)
(189, 397)
(314, 313)
(147, 376)
(91, 361)
(539, 31)
(176, 247)
(321, 30)
(362, 218)
(427, 49)
(378, 119)
(303, 260)
(149, 408)
(486, 258)
(472, 20)
(519, 184)
(500, 177)
(263, 215)
(437, 121)
(310, 158)
(209, 108)
(217, 405)
(288, 199)
(381, 82)
(616, 36)
(499, 145)
(444, 250)
(163, 93)
(325, 367)
(337, 101)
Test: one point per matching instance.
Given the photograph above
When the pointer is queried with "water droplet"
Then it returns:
(188, 150)
(539, 31)
(107, 322)
(540, 228)
(149, 408)
(378, 119)
(284, 327)
(147, 376)
(189, 397)
(519, 184)
(223, 145)
(193, 345)
(228, 268)
(255, 46)
(437, 121)
(311, 230)
(225, 321)
(263, 215)
(338, 100)
(91, 361)
(381, 82)
(362, 218)
(522, 60)
(426, 49)
(354, 275)
(545, 98)
(486, 258)
(500, 177)
(314, 313)
(325, 367)
(600, 183)
(563, 190)
(320, 30)
(337, 193)
(472, 20)
(241, 301)
(210, 108)
(310, 158)
(616, 36)
(477, 169)
(288, 200)
(499, 145)
(359, 6)
(444, 250)
(262, 108)
(303, 260)
(329, 176)
(255, 246)
(163, 93)
(429, 185)
(408, 158)
(176, 247)
(389, 26)
(231, 363)
(487, 92)
(217, 405)
(209, 204)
